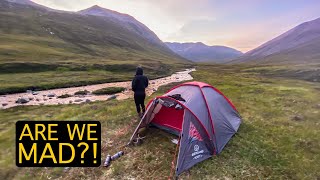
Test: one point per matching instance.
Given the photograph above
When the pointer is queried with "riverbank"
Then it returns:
(50, 97)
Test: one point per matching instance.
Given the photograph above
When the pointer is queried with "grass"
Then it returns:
(269, 144)
(108, 91)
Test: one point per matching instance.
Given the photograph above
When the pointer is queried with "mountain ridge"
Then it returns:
(200, 52)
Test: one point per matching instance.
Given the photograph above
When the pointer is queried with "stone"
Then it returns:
(153, 82)
(31, 98)
(88, 100)
(5, 104)
(35, 93)
(51, 95)
(154, 90)
(70, 102)
(112, 97)
(297, 118)
(78, 100)
(22, 100)
(37, 99)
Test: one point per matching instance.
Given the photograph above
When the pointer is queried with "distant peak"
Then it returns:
(96, 7)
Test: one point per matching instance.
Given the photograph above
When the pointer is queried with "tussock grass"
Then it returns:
(108, 91)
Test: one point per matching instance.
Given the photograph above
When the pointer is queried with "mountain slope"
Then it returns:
(200, 52)
(33, 32)
(300, 45)
(126, 20)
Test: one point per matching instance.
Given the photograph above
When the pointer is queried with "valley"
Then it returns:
(78, 65)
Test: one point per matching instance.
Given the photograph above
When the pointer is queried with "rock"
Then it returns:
(318, 106)
(49, 115)
(297, 118)
(41, 104)
(37, 99)
(112, 97)
(51, 95)
(153, 82)
(154, 90)
(22, 100)
(31, 98)
(88, 100)
(70, 102)
(49, 98)
(177, 78)
(45, 99)
(78, 100)
(44, 95)
(35, 93)
(66, 169)
(5, 104)
(29, 91)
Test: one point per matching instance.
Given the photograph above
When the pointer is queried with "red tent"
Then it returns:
(199, 114)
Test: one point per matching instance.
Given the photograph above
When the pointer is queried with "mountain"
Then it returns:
(300, 45)
(32, 32)
(126, 20)
(199, 52)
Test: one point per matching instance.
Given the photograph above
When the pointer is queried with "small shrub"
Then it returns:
(64, 96)
(108, 91)
(85, 92)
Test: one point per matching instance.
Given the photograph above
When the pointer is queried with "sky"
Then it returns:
(240, 24)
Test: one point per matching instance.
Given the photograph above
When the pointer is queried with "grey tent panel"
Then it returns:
(226, 120)
(195, 145)
(195, 102)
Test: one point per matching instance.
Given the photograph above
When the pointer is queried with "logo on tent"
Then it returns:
(193, 133)
(196, 147)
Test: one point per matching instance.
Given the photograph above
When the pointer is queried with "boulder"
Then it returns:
(297, 118)
(51, 95)
(35, 93)
(22, 100)
(112, 97)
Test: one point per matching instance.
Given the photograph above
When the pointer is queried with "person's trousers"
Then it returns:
(139, 100)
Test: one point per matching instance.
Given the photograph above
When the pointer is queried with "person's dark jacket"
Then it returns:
(139, 82)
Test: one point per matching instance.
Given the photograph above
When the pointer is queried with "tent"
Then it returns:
(202, 117)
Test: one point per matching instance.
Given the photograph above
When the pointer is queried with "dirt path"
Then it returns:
(41, 98)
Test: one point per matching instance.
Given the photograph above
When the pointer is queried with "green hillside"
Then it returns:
(47, 43)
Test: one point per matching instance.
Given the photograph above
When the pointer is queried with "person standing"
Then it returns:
(139, 84)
